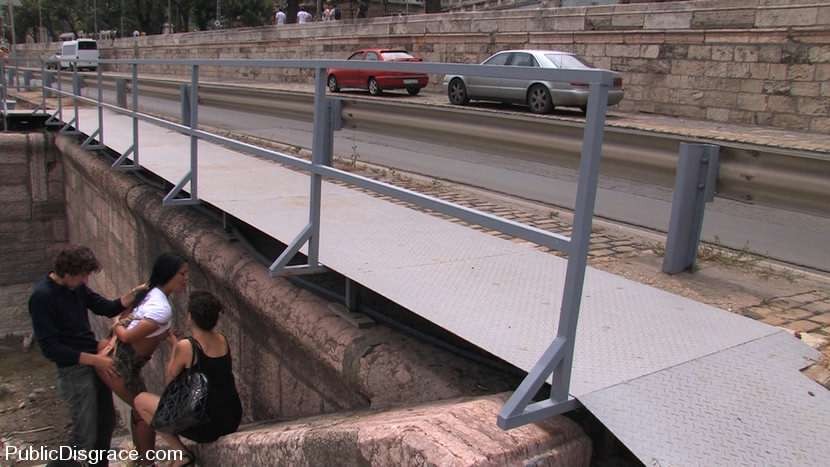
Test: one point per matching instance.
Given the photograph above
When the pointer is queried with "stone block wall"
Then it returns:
(32, 222)
(762, 62)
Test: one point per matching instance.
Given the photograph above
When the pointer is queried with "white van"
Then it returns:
(85, 51)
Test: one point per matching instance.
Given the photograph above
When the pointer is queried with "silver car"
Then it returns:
(540, 96)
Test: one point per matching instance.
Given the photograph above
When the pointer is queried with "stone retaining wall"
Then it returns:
(32, 222)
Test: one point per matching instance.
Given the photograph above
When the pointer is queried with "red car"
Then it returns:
(377, 81)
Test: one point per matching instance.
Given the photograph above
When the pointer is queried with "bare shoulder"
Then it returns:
(184, 350)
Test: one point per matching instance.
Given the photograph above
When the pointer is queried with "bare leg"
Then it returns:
(144, 438)
(146, 404)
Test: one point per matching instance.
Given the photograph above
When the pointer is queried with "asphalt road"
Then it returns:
(783, 235)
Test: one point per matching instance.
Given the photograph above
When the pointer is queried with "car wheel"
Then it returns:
(539, 100)
(374, 87)
(457, 92)
(334, 86)
(413, 91)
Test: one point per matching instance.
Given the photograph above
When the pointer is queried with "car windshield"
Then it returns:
(396, 55)
(566, 61)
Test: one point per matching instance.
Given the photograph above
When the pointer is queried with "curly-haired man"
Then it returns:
(58, 307)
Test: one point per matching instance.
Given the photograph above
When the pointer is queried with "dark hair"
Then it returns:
(164, 269)
(204, 309)
(74, 260)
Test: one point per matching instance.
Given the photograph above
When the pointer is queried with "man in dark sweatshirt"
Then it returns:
(58, 307)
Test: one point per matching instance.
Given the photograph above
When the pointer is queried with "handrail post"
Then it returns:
(318, 157)
(100, 107)
(194, 140)
(134, 91)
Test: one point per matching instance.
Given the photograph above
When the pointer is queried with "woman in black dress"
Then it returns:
(213, 358)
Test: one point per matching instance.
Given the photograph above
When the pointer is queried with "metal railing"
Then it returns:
(557, 360)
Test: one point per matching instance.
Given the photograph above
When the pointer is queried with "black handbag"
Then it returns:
(183, 404)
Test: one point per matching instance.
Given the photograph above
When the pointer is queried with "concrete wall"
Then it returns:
(292, 356)
(32, 222)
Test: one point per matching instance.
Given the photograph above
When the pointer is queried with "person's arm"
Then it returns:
(109, 308)
(182, 354)
(101, 362)
(144, 328)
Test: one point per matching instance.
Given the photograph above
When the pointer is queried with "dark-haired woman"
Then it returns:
(137, 336)
(213, 358)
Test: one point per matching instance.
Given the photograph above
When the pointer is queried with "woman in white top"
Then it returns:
(138, 335)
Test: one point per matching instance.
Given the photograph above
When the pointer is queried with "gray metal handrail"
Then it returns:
(557, 360)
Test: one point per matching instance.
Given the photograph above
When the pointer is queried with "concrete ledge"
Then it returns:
(452, 433)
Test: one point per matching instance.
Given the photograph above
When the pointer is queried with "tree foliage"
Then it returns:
(149, 16)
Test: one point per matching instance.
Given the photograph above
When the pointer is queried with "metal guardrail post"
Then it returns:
(45, 81)
(321, 146)
(56, 118)
(76, 91)
(134, 91)
(27, 80)
(558, 357)
(184, 99)
(3, 85)
(194, 140)
(100, 108)
(192, 117)
(77, 82)
(695, 183)
(121, 92)
(121, 100)
(98, 133)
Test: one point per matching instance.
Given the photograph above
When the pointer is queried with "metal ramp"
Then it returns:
(679, 382)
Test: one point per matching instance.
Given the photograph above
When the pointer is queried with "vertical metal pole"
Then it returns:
(60, 93)
(43, 85)
(184, 99)
(121, 92)
(321, 118)
(351, 295)
(100, 107)
(581, 239)
(694, 185)
(3, 96)
(76, 90)
(135, 110)
(194, 140)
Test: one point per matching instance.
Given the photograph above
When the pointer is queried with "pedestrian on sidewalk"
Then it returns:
(279, 18)
(362, 8)
(58, 308)
(303, 16)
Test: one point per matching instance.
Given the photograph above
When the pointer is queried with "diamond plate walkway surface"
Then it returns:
(679, 382)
